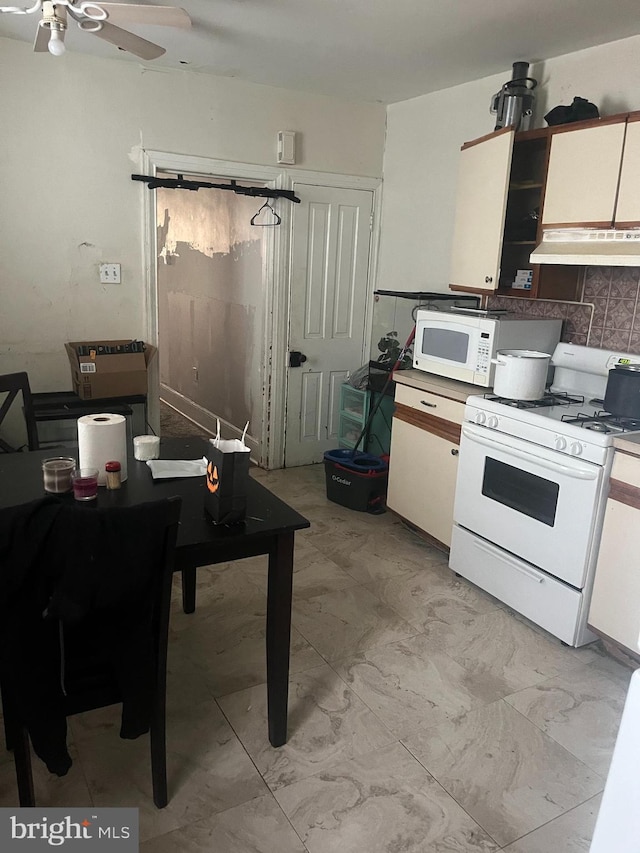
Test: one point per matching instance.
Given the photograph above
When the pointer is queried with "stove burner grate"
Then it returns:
(559, 398)
(603, 422)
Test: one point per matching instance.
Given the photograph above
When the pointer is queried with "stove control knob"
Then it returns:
(576, 448)
(480, 418)
(561, 443)
(492, 421)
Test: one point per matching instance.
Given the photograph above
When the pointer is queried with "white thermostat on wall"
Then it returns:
(287, 147)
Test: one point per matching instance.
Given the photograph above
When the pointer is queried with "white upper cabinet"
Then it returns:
(582, 179)
(481, 200)
(627, 213)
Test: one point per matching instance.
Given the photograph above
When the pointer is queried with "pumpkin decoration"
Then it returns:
(213, 480)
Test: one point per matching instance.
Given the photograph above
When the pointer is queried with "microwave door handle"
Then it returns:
(530, 573)
(577, 473)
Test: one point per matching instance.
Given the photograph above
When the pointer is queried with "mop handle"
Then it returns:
(395, 367)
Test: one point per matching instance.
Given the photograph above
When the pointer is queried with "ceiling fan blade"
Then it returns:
(160, 16)
(128, 41)
(41, 43)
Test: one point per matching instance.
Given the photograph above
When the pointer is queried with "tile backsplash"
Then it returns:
(608, 315)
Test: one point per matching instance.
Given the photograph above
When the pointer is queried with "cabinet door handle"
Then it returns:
(455, 451)
(488, 279)
(430, 405)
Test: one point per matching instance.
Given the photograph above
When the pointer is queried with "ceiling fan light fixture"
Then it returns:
(101, 19)
(56, 41)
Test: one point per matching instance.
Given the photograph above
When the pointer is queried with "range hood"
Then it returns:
(589, 247)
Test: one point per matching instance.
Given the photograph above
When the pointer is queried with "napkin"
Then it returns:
(165, 468)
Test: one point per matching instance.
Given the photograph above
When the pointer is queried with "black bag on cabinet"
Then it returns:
(579, 110)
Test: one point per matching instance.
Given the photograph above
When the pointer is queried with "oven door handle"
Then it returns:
(577, 472)
(530, 573)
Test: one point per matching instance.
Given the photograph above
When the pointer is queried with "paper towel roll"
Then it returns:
(102, 438)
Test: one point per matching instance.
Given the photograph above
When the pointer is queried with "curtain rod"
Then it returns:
(180, 183)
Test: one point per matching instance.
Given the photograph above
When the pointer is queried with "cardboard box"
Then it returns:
(110, 375)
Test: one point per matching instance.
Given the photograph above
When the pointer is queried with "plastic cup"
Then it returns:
(56, 473)
(146, 447)
(85, 484)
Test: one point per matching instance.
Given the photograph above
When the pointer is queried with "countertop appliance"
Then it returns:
(513, 104)
(531, 491)
(618, 823)
(461, 343)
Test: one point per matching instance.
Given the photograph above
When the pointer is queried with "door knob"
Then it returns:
(296, 359)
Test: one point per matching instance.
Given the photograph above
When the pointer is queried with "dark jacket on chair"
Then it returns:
(76, 603)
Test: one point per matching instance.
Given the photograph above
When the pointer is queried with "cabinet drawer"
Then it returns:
(431, 404)
(349, 431)
(546, 601)
(354, 402)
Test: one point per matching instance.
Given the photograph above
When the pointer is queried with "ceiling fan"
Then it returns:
(101, 20)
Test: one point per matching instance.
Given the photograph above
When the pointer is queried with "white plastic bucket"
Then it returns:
(521, 374)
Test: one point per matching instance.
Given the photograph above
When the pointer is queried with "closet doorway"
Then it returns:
(211, 290)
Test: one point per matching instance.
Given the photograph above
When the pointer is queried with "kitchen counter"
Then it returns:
(627, 444)
(425, 443)
(440, 385)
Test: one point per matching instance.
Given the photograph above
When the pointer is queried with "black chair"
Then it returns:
(12, 384)
(106, 576)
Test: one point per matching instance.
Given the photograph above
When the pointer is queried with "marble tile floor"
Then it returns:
(424, 716)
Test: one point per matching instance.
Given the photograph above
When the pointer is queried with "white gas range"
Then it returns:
(531, 491)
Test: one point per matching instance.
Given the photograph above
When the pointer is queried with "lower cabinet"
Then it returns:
(424, 460)
(614, 612)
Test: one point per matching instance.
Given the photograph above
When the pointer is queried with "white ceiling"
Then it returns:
(373, 50)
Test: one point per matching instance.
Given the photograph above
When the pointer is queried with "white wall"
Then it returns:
(72, 132)
(424, 136)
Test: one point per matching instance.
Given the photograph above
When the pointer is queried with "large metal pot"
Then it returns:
(622, 396)
(521, 374)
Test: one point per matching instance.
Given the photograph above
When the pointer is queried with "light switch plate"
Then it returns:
(110, 273)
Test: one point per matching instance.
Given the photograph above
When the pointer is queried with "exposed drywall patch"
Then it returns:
(135, 153)
(210, 304)
(209, 221)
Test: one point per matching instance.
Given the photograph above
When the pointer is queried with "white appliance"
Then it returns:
(461, 343)
(531, 491)
(618, 823)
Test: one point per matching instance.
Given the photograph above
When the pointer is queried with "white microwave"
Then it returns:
(461, 345)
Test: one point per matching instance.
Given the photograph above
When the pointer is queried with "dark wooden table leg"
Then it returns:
(189, 589)
(279, 635)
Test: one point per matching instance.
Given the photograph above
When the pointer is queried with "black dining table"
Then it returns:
(268, 529)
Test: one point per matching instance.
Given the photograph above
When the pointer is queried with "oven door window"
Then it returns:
(527, 493)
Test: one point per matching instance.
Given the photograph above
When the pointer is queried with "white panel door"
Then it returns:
(329, 286)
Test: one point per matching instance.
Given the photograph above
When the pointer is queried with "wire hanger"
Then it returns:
(275, 221)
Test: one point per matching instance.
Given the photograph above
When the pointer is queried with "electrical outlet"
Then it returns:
(110, 273)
